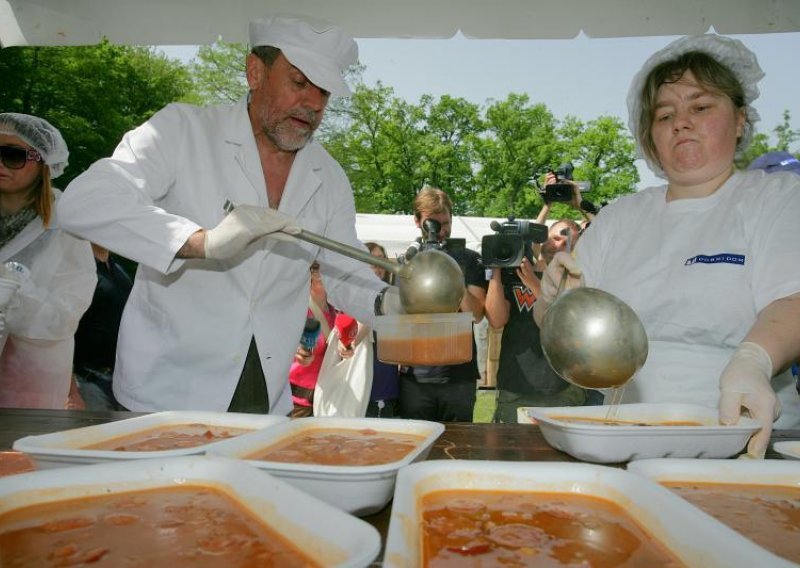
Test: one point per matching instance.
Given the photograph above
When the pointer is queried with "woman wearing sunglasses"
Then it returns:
(41, 319)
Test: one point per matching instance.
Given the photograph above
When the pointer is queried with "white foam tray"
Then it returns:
(68, 447)
(361, 490)
(783, 473)
(788, 449)
(680, 527)
(600, 443)
(328, 535)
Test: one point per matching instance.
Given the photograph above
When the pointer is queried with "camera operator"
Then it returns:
(444, 394)
(524, 377)
(586, 208)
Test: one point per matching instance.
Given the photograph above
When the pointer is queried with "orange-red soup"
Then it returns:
(12, 463)
(340, 446)
(169, 527)
(173, 437)
(471, 528)
(766, 514)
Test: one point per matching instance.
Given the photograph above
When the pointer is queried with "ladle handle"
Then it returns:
(562, 282)
(347, 250)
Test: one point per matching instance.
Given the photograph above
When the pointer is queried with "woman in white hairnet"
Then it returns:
(57, 287)
(709, 260)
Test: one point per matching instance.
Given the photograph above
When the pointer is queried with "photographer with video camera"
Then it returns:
(524, 377)
(518, 254)
(444, 394)
(559, 187)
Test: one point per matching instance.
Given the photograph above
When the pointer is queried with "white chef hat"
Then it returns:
(322, 51)
(729, 52)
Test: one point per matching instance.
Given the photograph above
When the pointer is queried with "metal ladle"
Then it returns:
(593, 339)
(431, 282)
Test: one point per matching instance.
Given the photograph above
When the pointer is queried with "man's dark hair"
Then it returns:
(266, 53)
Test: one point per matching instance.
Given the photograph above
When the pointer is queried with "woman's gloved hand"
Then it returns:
(745, 388)
(245, 224)
(554, 272)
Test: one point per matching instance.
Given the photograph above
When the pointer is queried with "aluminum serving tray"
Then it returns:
(600, 443)
(782, 473)
(360, 490)
(328, 535)
(68, 447)
(696, 539)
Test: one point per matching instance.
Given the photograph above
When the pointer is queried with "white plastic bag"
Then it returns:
(344, 385)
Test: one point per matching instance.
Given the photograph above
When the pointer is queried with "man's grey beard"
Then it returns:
(287, 143)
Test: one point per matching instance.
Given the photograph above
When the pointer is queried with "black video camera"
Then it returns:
(511, 243)
(430, 241)
(560, 191)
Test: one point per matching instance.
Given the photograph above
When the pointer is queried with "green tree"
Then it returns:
(517, 145)
(381, 150)
(603, 154)
(219, 72)
(785, 137)
(92, 94)
(452, 130)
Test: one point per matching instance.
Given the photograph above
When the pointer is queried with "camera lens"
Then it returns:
(505, 251)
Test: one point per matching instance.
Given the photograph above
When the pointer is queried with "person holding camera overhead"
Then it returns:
(524, 377)
(445, 394)
(708, 261)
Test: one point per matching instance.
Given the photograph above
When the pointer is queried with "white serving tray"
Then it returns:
(782, 473)
(613, 444)
(360, 490)
(68, 447)
(328, 535)
(788, 449)
(685, 531)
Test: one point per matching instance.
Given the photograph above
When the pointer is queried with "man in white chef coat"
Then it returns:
(219, 299)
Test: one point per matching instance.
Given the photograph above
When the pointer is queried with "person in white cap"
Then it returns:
(216, 310)
(709, 260)
(53, 273)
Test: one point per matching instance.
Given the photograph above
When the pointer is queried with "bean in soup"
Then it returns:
(498, 528)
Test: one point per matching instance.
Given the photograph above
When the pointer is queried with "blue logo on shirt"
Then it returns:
(726, 257)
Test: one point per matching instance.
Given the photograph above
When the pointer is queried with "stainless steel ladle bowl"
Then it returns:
(593, 339)
(430, 283)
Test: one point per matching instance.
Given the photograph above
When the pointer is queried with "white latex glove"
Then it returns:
(245, 224)
(390, 302)
(553, 273)
(745, 388)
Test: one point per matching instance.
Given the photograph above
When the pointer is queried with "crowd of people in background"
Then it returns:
(209, 203)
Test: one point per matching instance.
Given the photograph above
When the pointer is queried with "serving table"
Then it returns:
(504, 442)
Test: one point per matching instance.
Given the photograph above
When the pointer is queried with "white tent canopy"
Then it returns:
(194, 22)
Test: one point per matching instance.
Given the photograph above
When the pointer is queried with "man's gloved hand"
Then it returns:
(745, 383)
(390, 304)
(554, 272)
(245, 224)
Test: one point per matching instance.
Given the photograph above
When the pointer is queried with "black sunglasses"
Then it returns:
(14, 157)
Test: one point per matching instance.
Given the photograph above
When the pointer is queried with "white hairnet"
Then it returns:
(39, 135)
(730, 52)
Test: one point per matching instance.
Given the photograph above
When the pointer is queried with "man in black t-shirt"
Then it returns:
(524, 377)
(445, 394)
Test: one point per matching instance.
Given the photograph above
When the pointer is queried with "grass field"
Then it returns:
(484, 406)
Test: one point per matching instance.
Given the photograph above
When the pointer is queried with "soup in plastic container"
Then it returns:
(425, 339)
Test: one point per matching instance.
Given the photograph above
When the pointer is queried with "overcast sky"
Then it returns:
(582, 77)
